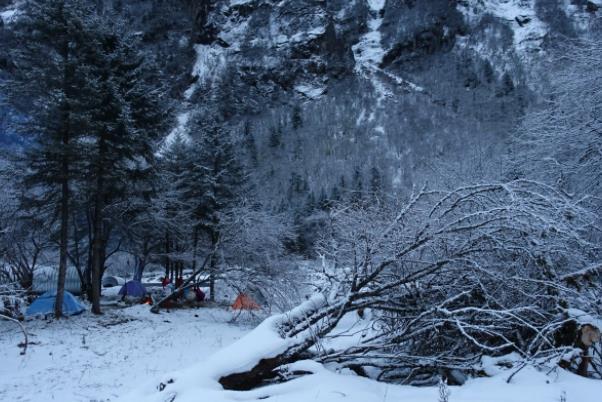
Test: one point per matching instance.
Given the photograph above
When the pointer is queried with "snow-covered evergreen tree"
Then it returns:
(218, 166)
(49, 82)
(125, 124)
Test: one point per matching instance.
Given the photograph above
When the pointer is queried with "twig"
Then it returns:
(522, 366)
(25, 342)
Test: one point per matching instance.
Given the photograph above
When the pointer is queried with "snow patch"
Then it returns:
(179, 131)
(360, 118)
(584, 318)
(368, 52)
(239, 2)
(520, 15)
(209, 63)
(309, 91)
(8, 16)
(376, 5)
(233, 35)
(305, 35)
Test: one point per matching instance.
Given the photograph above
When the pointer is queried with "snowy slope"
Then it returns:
(180, 131)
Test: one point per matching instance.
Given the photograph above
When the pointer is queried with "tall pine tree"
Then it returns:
(127, 121)
(48, 83)
(217, 165)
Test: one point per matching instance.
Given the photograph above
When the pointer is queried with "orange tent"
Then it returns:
(245, 302)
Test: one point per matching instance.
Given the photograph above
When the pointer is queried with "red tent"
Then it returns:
(245, 302)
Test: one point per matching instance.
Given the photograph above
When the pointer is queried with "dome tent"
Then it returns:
(45, 279)
(133, 289)
(112, 281)
(44, 305)
(245, 302)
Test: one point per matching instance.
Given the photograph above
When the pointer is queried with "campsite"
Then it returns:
(104, 356)
(300, 200)
(117, 291)
(86, 358)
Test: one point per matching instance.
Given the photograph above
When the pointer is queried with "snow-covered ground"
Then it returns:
(88, 358)
(325, 386)
(127, 353)
(199, 382)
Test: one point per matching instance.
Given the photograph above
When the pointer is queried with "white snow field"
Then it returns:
(88, 358)
(132, 355)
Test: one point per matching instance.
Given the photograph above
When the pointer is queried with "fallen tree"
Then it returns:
(191, 281)
(444, 279)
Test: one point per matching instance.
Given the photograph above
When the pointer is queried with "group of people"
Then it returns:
(191, 294)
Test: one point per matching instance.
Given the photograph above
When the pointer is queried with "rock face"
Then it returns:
(312, 28)
(296, 41)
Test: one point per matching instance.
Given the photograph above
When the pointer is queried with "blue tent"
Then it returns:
(44, 305)
(133, 288)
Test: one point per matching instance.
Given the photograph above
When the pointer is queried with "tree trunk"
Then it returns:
(262, 371)
(212, 280)
(89, 259)
(141, 263)
(213, 265)
(96, 257)
(76, 259)
(98, 232)
(295, 325)
(167, 251)
(195, 243)
(64, 233)
(64, 207)
(103, 259)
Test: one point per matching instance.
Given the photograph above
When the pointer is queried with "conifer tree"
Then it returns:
(376, 185)
(49, 83)
(251, 145)
(275, 139)
(221, 177)
(178, 187)
(127, 120)
(357, 186)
